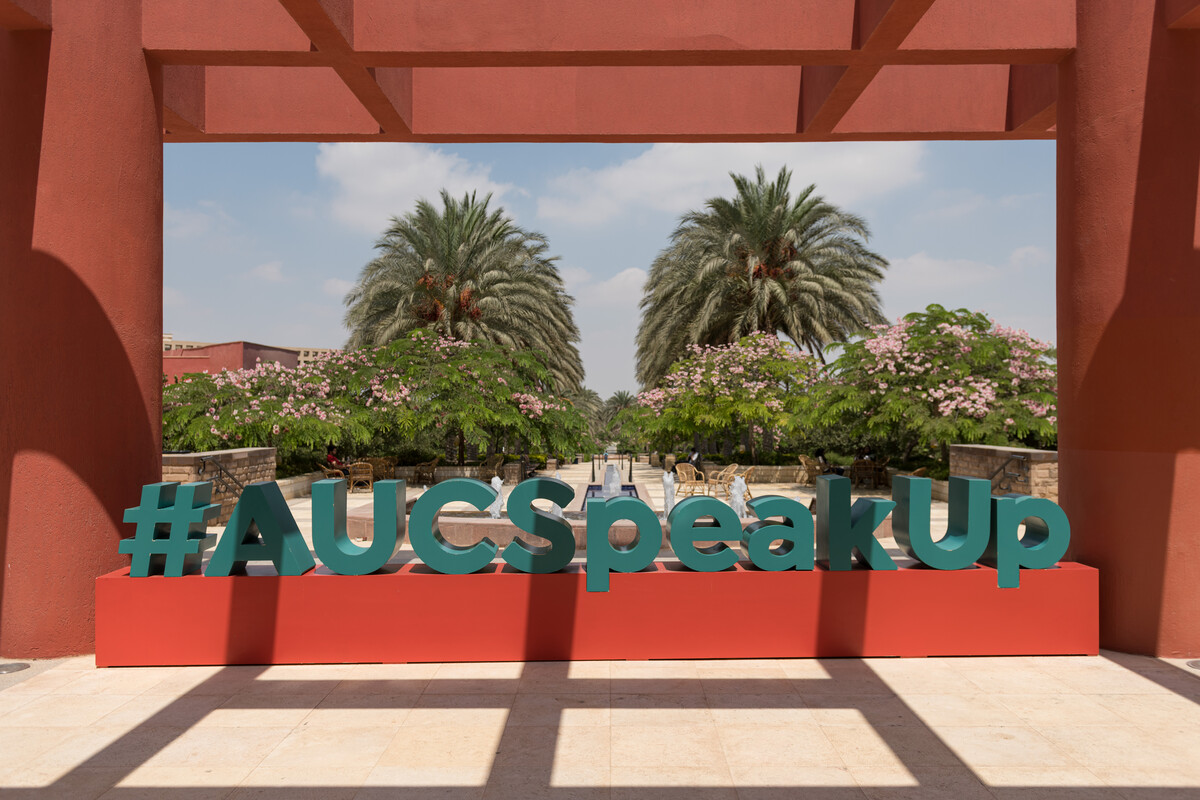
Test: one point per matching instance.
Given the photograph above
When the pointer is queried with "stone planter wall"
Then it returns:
(1038, 471)
(299, 485)
(247, 464)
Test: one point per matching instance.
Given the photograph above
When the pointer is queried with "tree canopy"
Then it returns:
(938, 377)
(761, 261)
(755, 383)
(469, 273)
(372, 399)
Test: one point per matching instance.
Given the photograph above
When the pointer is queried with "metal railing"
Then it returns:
(223, 480)
(1007, 477)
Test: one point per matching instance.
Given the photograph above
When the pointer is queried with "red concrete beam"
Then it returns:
(25, 15)
(553, 102)
(183, 98)
(716, 32)
(932, 101)
(284, 102)
(993, 31)
(1182, 14)
(229, 32)
(587, 33)
(610, 104)
(829, 92)
(1032, 97)
(329, 24)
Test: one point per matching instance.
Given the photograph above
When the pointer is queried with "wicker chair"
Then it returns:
(812, 470)
(691, 480)
(361, 475)
(883, 478)
(722, 481)
(426, 474)
(492, 467)
(383, 468)
(863, 471)
(331, 473)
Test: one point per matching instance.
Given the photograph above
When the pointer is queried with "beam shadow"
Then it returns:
(527, 760)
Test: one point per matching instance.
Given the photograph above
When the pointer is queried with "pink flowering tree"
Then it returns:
(344, 398)
(753, 384)
(373, 399)
(938, 377)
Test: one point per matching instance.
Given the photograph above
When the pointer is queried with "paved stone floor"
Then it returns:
(1022, 728)
(1113, 726)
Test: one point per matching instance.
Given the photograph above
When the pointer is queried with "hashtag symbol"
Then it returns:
(170, 538)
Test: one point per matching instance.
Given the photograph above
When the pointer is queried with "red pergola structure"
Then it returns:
(89, 91)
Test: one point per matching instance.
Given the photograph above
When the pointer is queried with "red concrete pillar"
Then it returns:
(80, 313)
(1129, 320)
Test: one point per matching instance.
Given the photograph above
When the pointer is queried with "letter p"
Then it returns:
(1047, 534)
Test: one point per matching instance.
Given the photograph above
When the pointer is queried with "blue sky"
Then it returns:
(261, 241)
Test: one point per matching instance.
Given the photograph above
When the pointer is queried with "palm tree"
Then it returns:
(760, 261)
(618, 402)
(470, 273)
(613, 406)
(588, 403)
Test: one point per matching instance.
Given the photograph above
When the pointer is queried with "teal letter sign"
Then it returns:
(845, 531)
(333, 544)
(262, 528)
(796, 534)
(551, 527)
(685, 534)
(602, 557)
(1047, 533)
(969, 529)
(427, 540)
(171, 537)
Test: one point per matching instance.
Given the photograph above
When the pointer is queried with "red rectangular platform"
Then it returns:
(415, 614)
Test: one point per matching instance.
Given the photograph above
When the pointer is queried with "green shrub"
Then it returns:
(411, 456)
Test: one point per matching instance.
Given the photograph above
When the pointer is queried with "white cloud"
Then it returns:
(676, 177)
(336, 287)
(207, 217)
(1031, 257)
(607, 316)
(272, 272)
(184, 223)
(621, 290)
(375, 181)
(922, 271)
(925, 272)
(957, 205)
(1019, 292)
